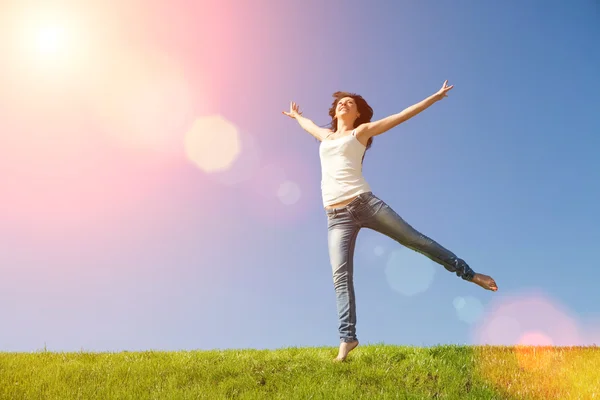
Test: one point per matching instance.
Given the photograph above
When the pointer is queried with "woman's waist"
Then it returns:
(342, 179)
(344, 203)
(341, 196)
(341, 204)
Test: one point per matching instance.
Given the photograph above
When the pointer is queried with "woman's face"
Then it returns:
(346, 108)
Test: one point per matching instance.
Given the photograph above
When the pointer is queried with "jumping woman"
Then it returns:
(350, 205)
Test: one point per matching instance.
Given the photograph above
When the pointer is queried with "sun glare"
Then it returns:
(49, 39)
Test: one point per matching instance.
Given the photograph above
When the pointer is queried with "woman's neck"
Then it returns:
(343, 126)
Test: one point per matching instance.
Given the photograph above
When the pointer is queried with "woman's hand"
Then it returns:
(294, 111)
(443, 92)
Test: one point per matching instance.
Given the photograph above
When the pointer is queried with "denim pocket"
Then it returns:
(368, 207)
(335, 214)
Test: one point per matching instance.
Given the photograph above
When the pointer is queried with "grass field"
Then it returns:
(371, 372)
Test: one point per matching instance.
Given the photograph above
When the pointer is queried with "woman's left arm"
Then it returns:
(375, 128)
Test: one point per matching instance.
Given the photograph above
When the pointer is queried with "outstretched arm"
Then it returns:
(307, 124)
(375, 128)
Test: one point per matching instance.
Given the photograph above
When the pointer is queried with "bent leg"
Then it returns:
(388, 222)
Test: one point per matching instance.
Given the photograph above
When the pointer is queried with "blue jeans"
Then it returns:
(368, 211)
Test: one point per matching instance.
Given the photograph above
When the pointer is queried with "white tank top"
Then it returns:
(341, 169)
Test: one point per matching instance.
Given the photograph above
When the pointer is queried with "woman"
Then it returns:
(350, 204)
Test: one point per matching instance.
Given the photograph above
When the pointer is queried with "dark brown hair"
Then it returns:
(364, 109)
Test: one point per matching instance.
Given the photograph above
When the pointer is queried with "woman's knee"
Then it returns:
(341, 275)
(418, 240)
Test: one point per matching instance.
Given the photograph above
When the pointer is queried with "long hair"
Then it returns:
(364, 109)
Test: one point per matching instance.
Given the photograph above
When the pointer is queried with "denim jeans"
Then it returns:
(368, 211)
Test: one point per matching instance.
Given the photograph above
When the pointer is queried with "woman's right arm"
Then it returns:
(306, 124)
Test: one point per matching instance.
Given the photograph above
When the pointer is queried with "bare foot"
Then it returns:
(345, 348)
(485, 282)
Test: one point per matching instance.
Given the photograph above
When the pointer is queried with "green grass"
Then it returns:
(371, 372)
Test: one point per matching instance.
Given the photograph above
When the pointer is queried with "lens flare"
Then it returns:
(50, 39)
(409, 272)
(534, 351)
(501, 330)
(288, 192)
(459, 302)
(212, 144)
(245, 165)
(540, 331)
(534, 338)
(373, 248)
(533, 312)
(378, 251)
(143, 101)
(468, 309)
(281, 191)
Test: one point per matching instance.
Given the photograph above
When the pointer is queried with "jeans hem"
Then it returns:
(469, 276)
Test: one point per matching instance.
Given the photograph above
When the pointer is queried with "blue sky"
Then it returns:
(504, 172)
